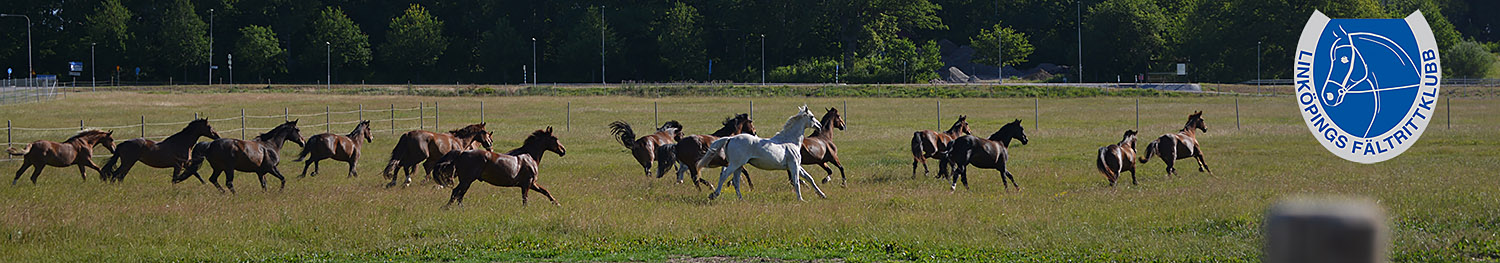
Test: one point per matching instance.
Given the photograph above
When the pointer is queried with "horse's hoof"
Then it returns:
(825, 179)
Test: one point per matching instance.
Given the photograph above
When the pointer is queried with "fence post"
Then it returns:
(143, 126)
(751, 114)
(361, 112)
(1036, 112)
(437, 116)
(393, 118)
(242, 123)
(569, 122)
(195, 116)
(940, 115)
(286, 114)
(654, 116)
(1236, 112)
(1449, 109)
(327, 120)
(80, 125)
(421, 116)
(481, 111)
(846, 112)
(1137, 114)
(7, 133)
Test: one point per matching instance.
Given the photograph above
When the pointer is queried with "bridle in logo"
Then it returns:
(1366, 86)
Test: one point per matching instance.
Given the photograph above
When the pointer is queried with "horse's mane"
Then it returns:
(957, 124)
(1196, 116)
(279, 128)
(535, 135)
(787, 127)
(1008, 126)
(191, 125)
(360, 129)
(672, 124)
(827, 121)
(730, 124)
(85, 133)
(467, 131)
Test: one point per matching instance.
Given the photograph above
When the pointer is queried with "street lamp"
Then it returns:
(601, 45)
(763, 59)
(328, 53)
(32, 71)
(1257, 67)
(533, 62)
(210, 47)
(1080, 41)
(93, 81)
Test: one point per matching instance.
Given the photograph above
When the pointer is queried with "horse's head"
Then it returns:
(961, 126)
(743, 124)
(485, 139)
(200, 127)
(1347, 70)
(289, 132)
(1012, 130)
(1195, 121)
(834, 119)
(1129, 137)
(364, 131)
(108, 141)
(476, 133)
(544, 139)
(806, 115)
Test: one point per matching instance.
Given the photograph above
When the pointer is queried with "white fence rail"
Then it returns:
(14, 91)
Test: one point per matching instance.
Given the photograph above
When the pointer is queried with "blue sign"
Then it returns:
(1367, 87)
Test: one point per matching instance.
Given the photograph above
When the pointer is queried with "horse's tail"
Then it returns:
(1150, 149)
(391, 167)
(1103, 168)
(18, 152)
(666, 154)
(445, 169)
(109, 167)
(622, 130)
(713, 150)
(916, 145)
(306, 150)
(195, 161)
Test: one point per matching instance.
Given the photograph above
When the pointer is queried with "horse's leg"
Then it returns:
(37, 172)
(277, 173)
(1007, 174)
(24, 165)
(214, 178)
(812, 182)
(229, 179)
(352, 172)
(1202, 166)
(538, 188)
(723, 177)
(262, 177)
(746, 174)
(305, 164)
(90, 164)
(125, 164)
(795, 178)
(844, 178)
(524, 191)
(396, 175)
(460, 190)
(1169, 156)
(827, 170)
(81, 173)
(317, 166)
(1132, 176)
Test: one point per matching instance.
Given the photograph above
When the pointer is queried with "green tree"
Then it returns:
(109, 27)
(1468, 59)
(505, 52)
(349, 46)
(1017, 48)
(580, 49)
(415, 41)
(1128, 35)
(680, 41)
(259, 51)
(183, 39)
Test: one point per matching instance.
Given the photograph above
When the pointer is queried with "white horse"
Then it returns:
(780, 152)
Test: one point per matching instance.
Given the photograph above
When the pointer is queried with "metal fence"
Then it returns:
(14, 91)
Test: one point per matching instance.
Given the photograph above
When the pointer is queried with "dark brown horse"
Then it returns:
(1180, 145)
(1116, 159)
(77, 150)
(516, 168)
(691, 148)
(169, 153)
(259, 155)
(819, 149)
(645, 148)
(990, 153)
(426, 147)
(344, 148)
(926, 143)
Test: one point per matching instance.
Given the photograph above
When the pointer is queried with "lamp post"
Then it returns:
(92, 63)
(29, 68)
(210, 47)
(1257, 67)
(1080, 41)
(762, 59)
(328, 62)
(533, 62)
(601, 45)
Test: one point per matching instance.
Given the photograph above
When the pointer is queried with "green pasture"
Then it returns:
(1442, 196)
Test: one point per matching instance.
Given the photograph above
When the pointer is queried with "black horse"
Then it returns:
(984, 153)
(259, 156)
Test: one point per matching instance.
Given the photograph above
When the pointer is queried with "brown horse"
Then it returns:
(1115, 159)
(259, 156)
(990, 153)
(345, 148)
(926, 143)
(77, 150)
(1180, 145)
(169, 153)
(645, 148)
(516, 168)
(818, 148)
(691, 148)
(426, 147)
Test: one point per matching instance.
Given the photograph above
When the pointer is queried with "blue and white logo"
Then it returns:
(1367, 87)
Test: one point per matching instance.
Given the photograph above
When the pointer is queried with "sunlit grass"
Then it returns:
(1441, 194)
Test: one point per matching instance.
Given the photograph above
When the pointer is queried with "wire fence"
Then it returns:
(13, 91)
(389, 119)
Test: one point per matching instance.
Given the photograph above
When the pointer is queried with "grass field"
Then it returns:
(1441, 195)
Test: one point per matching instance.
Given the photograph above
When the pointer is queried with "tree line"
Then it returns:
(860, 41)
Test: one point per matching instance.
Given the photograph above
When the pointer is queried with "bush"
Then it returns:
(1469, 59)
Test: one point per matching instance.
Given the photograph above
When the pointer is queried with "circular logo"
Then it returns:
(1367, 87)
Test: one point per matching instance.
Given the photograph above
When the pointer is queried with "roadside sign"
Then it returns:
(75, 66)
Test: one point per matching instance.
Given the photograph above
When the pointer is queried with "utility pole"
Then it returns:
(328, 54)
(1080, 41)
(210, 47)
(762, 59)
(601, 45)
(93, 80)
(533, 62)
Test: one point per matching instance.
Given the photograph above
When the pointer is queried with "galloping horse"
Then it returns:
(1115, 159)
(984, 153)
(926, 143)
(1180, 145)
(169, 153)
(259, 155)
(426, 147)
(818, 148)
(76, 150)
(345, 148)
(689, 149)
(780, 152)
(516, 168)
(645, 148)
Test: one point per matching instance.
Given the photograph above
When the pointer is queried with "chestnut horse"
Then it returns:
(259, 155)
(690, 148)
(77, 150)
(426, 147)
(818, 148)
(169, 153)
(345, 148)
(926, 143)
(645, 148)
(1115, 159)
(516, 168)
(984, 153)
(1180, 145)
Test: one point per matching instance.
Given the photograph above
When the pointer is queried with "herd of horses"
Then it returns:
(459, 157)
